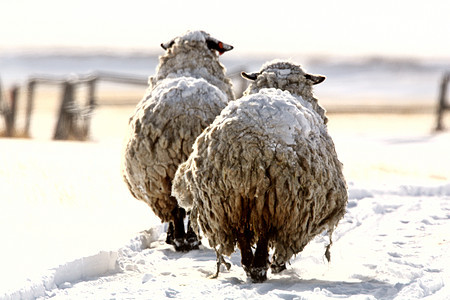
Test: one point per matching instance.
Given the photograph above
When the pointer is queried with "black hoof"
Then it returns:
(277, 268)
(258, 275)
(194, 245)
(179, 245)
(176, 235)
(183, 245)
(192, 240)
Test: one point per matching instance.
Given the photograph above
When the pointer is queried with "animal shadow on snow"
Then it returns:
(286, 285)
(203, 254)
(289, 287)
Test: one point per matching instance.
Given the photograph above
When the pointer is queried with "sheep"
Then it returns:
(288, 77)
(265, 172)
(187, 92)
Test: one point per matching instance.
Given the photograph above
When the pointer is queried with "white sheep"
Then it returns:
(187, 92)
(265, 172)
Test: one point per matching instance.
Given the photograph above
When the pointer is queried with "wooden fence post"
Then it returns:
(2, 106)
(10, 114)
(91, 103)
(66, 121)
(30, 102)
(442, 105)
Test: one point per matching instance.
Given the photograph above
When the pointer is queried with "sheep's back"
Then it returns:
(161, 133)
(278, 172)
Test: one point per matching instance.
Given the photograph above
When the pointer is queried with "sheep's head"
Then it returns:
(284, 72)
(285, 75)
(199, 37)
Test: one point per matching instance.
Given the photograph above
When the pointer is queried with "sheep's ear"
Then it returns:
(167, 45)
(251, 76)
(220, 47)
(316, 79)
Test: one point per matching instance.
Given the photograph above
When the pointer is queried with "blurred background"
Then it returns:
(380, 57)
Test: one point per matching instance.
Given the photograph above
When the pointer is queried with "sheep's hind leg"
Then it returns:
(258, 270)
(244, 240)
(277, 268)
(277, 265)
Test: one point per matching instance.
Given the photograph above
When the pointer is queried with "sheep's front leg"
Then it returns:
(192, 241)
(170, 233)
(176, 235)
(179, 234)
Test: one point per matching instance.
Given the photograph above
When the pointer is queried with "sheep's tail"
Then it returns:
(327, 248)
(220, 261)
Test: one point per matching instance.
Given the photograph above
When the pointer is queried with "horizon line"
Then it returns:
(155, 51)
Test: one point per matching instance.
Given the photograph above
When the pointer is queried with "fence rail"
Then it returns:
(74, 119)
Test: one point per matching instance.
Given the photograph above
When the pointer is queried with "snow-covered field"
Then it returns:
(71, 230)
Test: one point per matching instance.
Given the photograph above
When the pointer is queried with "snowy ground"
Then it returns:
(71, 230)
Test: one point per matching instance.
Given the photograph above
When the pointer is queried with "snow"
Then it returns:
(71, 230)
(195, 35)
(64, 205)
(274, 113)
(174, 91)
(280, 67)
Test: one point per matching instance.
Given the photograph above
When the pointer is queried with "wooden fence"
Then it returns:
(74, 118)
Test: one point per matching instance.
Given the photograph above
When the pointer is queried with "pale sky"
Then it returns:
(331, 27)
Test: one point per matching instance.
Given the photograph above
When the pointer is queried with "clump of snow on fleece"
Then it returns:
(174, 91)
(276, 112)
(195, 35)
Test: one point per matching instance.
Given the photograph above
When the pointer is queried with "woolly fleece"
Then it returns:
(268, 164)
(162, 132)
(187, 92)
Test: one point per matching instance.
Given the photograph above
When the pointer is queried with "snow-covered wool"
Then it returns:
(188, 91)
(265, 172)
(286, 76)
